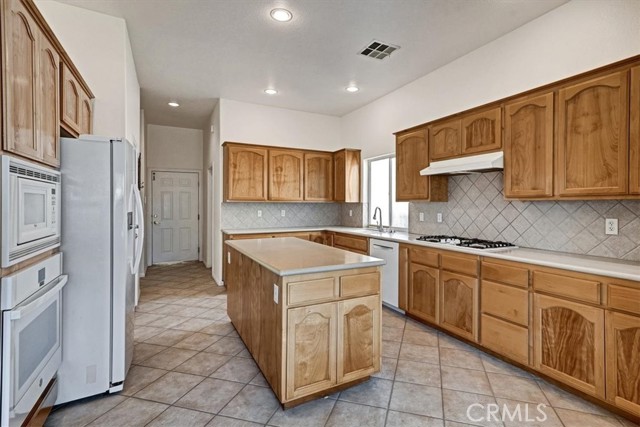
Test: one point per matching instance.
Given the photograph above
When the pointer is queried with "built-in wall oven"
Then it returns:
(30, 210)
(31, 336)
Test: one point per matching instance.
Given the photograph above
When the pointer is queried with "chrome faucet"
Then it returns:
(378, 218)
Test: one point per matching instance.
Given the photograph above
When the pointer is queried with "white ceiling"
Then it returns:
(196, 51)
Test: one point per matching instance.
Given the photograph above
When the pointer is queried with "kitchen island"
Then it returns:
(309, 314)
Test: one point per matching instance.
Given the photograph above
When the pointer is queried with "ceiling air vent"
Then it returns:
(378, 50)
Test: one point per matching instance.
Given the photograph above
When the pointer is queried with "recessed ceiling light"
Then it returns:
(352, 88)
(173, 104)
(270, 91)
(281, 15)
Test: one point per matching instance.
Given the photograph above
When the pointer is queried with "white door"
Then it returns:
(175, 216)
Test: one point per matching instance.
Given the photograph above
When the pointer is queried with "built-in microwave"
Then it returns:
(30, 210)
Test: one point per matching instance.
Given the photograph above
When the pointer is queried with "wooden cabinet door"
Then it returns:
(71, 104)
(346, 172)
(285, 175)
(311, 349)
(459, 304)
(359, 337)
(246, 173)
(403, 277)
(623, 361)
(48, 106)
(592, 149)
(86, 115)
(634, 137)
(20, 80)
(445, 140)
(411, 157)
(482, 132)
(528, 147)
(423, 292)
(318, 177)
(569, 343)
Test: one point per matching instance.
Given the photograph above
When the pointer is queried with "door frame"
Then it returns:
(148, 219)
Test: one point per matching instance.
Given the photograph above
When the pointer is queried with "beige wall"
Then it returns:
(99, 46)
(575, 37)
(173, 149)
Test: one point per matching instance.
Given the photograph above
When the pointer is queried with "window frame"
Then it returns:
(390, 157)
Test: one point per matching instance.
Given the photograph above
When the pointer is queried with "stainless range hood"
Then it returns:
(479, 163)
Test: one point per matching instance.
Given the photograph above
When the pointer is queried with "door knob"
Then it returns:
(155, 215)
(156, 222)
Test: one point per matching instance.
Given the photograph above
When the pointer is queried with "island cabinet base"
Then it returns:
(310, 334)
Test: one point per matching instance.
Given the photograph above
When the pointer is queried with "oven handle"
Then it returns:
(46, 297)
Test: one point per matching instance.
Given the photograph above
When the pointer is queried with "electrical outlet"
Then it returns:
(259, 213)
(276, 293)
(421, 216)
(283, 212)
(350, 212)
(439, 217)
(611, 226)
(228, 257)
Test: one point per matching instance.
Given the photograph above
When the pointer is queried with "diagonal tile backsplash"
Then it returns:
(476, 208)
(245, 215)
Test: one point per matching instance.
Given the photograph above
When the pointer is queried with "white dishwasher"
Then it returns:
(387, 251)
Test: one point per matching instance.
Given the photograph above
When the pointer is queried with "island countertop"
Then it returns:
(286, 256)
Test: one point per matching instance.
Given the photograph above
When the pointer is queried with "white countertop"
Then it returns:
(580, 263)
(287, 256)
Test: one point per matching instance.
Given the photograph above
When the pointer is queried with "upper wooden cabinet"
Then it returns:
(318, 177)
(261, 173)
(347, 176)
(634, 135)
(412, 155)
(528, 147)
(592, 149)
(32, 61)
(71, 101)
(285, 175)
(445, 140)
(482, 132)
(245, 173)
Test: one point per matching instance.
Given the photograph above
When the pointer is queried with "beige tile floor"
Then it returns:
(191, 369)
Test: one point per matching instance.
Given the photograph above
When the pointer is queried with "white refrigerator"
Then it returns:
(102, 237)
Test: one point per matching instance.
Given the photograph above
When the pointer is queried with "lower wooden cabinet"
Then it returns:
(358, 337)
(459, 304)
(569, 343)
(505, 338)
(423, 292)
(311, 349)
(623, 361)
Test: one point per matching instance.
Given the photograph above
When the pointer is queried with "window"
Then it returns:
(382, 193)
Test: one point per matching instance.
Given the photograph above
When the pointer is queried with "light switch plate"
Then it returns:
(611, 226)
(350, 212)
(276, 293)
(439, 217)
(228, 257)
(283, 212)
(259, 213)
(421, 216)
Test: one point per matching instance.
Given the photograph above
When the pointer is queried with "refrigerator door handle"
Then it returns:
(138, 230)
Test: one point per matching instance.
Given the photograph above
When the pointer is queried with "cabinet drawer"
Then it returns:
(460, 264)
(567, 286)
(424, 257)
(351, 242)
(505, 273)
(506, 302)
(312, 291)
(505, 338)
(360, 284)
(624, 298)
